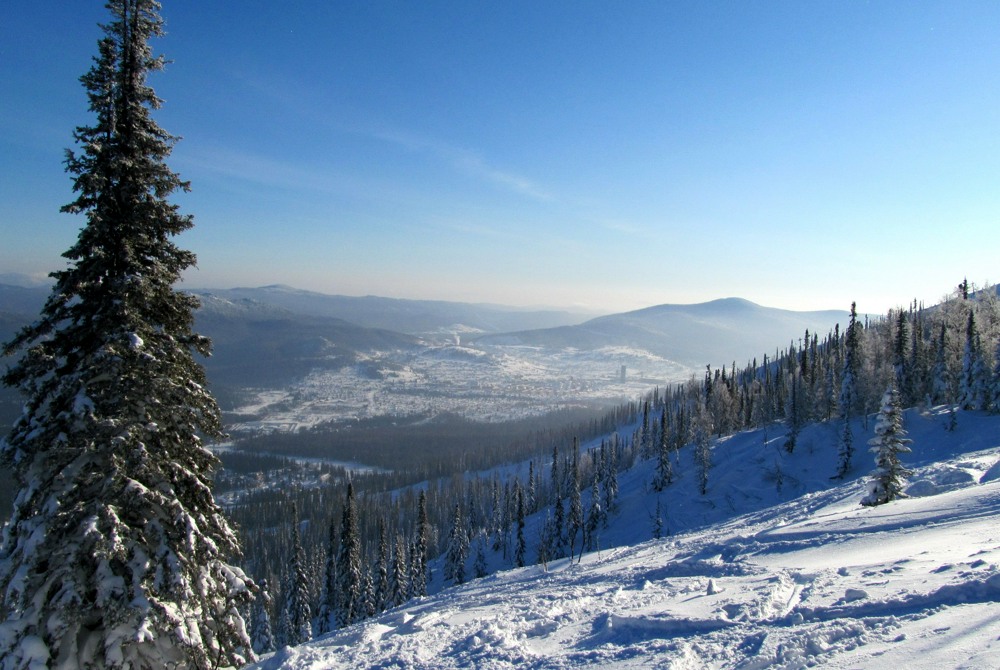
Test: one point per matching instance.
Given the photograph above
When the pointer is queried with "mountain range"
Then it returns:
(267, 336)
(715, 332)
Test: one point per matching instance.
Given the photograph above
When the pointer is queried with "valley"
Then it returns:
(492, 384)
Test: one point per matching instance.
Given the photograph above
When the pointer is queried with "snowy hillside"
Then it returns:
(791, 573)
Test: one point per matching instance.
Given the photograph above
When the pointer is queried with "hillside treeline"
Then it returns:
(359, 545)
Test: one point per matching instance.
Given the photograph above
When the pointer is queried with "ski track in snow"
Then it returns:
(813, 581)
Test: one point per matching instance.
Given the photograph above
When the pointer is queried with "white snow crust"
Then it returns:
(777, 577)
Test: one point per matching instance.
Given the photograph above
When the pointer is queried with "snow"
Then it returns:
(795, 577)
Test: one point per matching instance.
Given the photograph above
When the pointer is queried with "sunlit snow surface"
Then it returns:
(815, 580)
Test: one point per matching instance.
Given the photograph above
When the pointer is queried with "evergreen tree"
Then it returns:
(702, 445)
(658, 520)
(994, 390)
(400, 572)
(610, 462)
(644, 436)
(349, 570)
(973, 383)
(531, 494)
(557, 491)
(545, 542)
(520, 547)
(263, 636)
(418, 558)
(848, 394)
(479, 569)
(329, 602)
(498, 520)
(298, 614)
(458, 548)
(366, 606)
(901, 361)
(116, 554)
(594, 515)
(574, 524)
(558, 529)
(941, 378)
(794, 411)
(664, 467)
(890, 440)
(382, 593)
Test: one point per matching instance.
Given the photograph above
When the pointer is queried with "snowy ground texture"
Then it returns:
(810, 579)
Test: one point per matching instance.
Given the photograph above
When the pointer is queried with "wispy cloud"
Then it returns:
(625, 227)
(464, 160)
(301, 102)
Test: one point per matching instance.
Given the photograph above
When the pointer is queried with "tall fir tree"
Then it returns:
(349, 568)
(973, 382)
(942, 384)
(848, 394)
(116, 554)
(889, 442)
(520, 546)
(263, 633)
(595, 514)
(610, 462)
(329, 602)
(400, 572)
(381, 577)
(479, 568)
(458, 548)
(419, 574)
(297, 617)
(664, 467)
(575, 520)
(702, 445)
(994, 388)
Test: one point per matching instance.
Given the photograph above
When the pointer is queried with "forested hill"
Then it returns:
(792, 431)
(720, 525)
(716, 332)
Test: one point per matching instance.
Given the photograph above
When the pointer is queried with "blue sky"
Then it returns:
(609, 155)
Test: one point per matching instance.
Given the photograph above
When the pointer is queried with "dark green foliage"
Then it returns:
(107, 453)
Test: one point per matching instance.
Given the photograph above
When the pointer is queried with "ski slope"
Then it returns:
(797, 576)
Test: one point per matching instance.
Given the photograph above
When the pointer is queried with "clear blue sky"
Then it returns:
(604, 154)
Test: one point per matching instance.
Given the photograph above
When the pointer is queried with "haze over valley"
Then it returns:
(285, 359)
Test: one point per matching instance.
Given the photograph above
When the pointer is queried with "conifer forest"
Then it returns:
(143, 536)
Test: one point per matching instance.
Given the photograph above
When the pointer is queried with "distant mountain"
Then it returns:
(25, 281)
(257, 344)
(24, 300)
(269, 336)
(415, 317)
(716, 332)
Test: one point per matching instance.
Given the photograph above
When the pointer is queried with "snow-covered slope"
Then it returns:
(809, 577)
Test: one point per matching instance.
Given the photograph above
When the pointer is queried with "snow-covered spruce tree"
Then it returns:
(263, 635)
(973, 382)
(664, 467)
(297, 618)
(890, 440)
(848, 394)
(594, 515)
(458, 548)
(702, 445)
(418, 551)
(575, 520)
(381, 576)
(994, 389)
(116, 554)
(400, 572)
(329, 601)
(520, 546)
(479, 568)
(349, 568)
